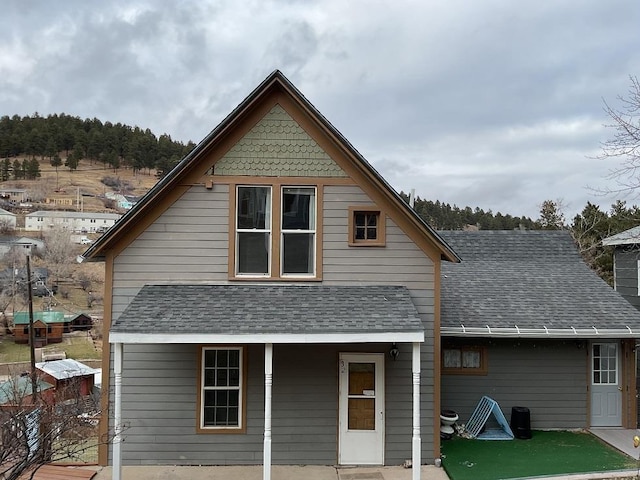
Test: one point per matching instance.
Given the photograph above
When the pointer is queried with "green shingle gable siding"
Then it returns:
(278, 146)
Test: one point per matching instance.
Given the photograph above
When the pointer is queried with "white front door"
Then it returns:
(606, 389)
(361, 410)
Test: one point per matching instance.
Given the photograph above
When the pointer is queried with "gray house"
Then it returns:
(626, 264)
(272, 300)
(526, 322)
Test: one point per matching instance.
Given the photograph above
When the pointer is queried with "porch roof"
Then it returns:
(251, 313)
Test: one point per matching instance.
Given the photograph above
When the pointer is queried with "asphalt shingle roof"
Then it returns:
(268, 309)
(527, 280)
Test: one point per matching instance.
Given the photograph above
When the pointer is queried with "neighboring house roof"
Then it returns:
(22, 318)
(77, 215)
(528, 283)
(17, 388)
(6, 212)
(628, 237)
(258, 313)
(275, 82)
(67, 368)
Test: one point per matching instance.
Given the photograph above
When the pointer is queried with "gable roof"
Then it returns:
(528, 284)
(268, 313)
(275, 82)
(628, 237)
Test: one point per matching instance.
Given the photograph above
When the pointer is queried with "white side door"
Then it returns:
(361, 409)
(606, 389)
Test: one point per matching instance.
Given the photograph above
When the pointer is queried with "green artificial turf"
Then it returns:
(546, 453)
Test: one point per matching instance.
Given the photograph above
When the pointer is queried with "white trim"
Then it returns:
(117, 414)
(268, 382)
(637, 275)
(358, 446)
(360, 337)
(540, 332)
(416, 442)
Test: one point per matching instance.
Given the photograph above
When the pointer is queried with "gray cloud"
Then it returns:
(495, 104)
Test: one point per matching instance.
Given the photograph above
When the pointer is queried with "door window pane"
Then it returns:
(362, 378)
(605, 364)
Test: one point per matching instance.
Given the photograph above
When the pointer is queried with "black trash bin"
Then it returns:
(521, 422)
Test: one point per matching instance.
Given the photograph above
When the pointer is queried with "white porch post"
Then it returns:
(268, 381)
(416, 442)
(117, 438)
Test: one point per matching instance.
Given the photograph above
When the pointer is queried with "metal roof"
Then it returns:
(628, 237)
(67, 368)
(16, 388)
(257, 313)
(528, 284)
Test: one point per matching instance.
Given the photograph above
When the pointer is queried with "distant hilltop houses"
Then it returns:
(83, 222)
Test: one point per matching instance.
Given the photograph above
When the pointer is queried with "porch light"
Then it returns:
(394, 352)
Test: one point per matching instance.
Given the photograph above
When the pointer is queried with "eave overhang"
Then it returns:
(539, 332)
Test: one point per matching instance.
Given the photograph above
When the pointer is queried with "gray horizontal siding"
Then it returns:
(626, 272)
(159, 399)
(547, 377)
(190, 243)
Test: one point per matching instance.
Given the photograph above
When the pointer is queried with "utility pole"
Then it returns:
(32, 335)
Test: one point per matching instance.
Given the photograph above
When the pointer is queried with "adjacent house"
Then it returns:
(48, 326)
(26, 245)
(272, 300)
(626, 264)
(85, 222)
(17, 391)
(71, 378)
(526, 322)
(79, 321)
(7, 219)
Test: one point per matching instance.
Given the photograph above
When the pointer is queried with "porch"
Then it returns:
(620, 438)
(279, 472)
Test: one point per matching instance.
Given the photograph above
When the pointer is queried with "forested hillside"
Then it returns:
(65, 140)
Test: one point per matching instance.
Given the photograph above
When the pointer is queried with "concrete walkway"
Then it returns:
(278, 472)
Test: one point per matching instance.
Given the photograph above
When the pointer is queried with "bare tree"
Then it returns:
(58, 252)
(58, 425)
(6, 226)
(625, 143)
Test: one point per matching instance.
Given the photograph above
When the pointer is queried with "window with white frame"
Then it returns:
(298, 229)
(275, 232)
(221, 388)
(253, 230)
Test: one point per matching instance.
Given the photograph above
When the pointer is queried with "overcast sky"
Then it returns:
(490, 104)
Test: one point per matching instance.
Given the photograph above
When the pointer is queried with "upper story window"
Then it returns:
(275, 231)
(366, 227)
(298, 230)
(253, 231)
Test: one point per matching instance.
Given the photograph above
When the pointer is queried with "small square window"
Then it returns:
(366, 226)
(464, 360)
